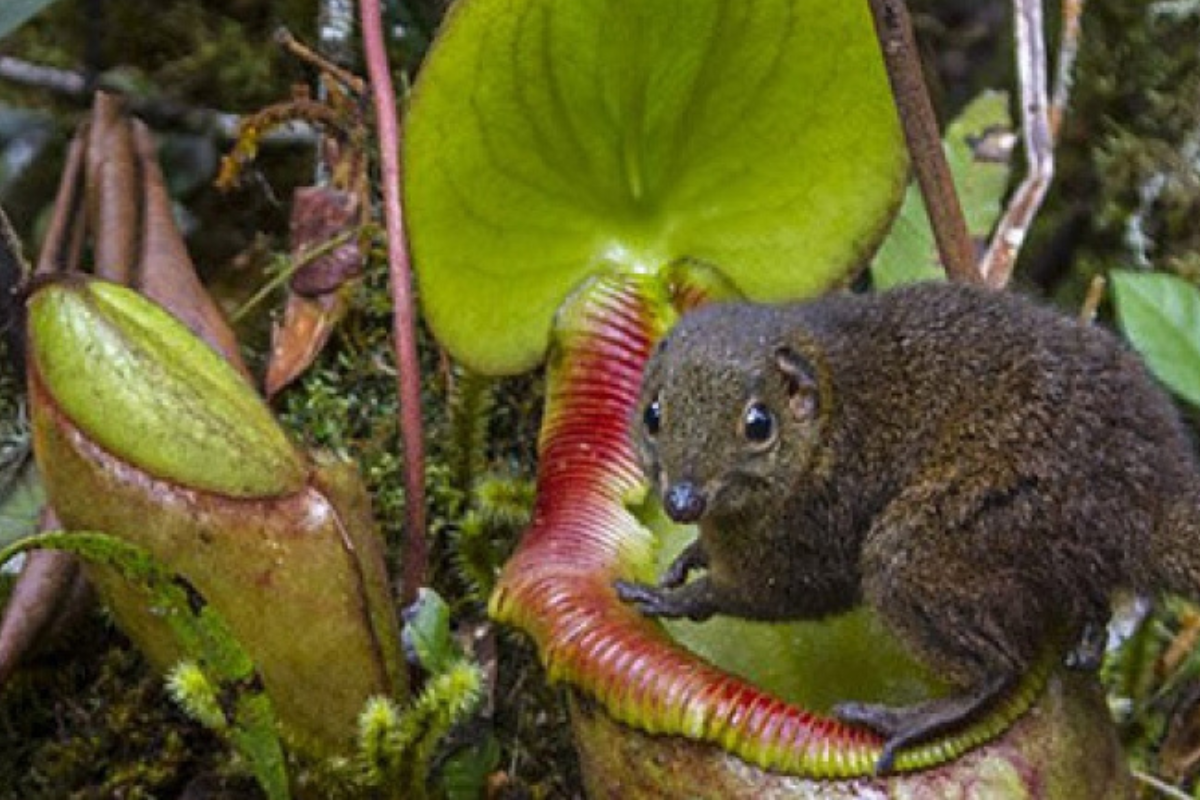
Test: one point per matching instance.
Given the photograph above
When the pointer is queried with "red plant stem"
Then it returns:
(415, 553)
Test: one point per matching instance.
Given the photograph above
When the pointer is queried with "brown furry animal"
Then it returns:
(982, 471)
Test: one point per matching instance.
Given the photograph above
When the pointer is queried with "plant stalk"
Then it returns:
(415, 553)
(893, 26)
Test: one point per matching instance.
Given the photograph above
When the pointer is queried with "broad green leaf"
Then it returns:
(14, 13)
(547, 139)
(145, 388)
(1160, 315)
(978, 156)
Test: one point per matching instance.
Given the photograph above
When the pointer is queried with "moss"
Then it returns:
(1135, 135)
(1126, 190)
(346, 402)
(187, 50)
(100, 725)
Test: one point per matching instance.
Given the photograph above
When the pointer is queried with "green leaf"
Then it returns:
(1160, 315)
(14, 13)
(427, 632)
(254, 737)
(146, 389)
(463, 774)
(548, 139)
(972, 143)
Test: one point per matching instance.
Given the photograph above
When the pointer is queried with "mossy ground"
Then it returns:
(88, 720)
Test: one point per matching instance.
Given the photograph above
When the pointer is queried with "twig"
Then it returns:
(14, 271)
(1159, 785)
(1091, 303)
(894, 29)
(1068, 49)
(302, 52)
(10, 248)
(157, 110)
(254, 129)
(59, 81)
(1040, 121)
(415, 556)
(285, 274)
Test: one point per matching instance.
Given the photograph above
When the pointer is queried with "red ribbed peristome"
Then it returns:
(558, 585)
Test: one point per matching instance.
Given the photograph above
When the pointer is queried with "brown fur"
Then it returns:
(980, 470)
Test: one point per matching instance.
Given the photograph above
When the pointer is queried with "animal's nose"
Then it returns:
(684, 502)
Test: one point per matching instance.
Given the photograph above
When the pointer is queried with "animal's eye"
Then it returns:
(758, 423)
(652, 416)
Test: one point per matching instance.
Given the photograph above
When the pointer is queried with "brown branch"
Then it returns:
(304, 53)
(256, 128)
(408, 377)
(894, 29)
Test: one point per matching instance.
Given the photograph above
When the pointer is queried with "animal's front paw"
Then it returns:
(652, 601)
(693, 557)
(691, 601)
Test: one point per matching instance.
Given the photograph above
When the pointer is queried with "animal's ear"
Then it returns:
(801, 380)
